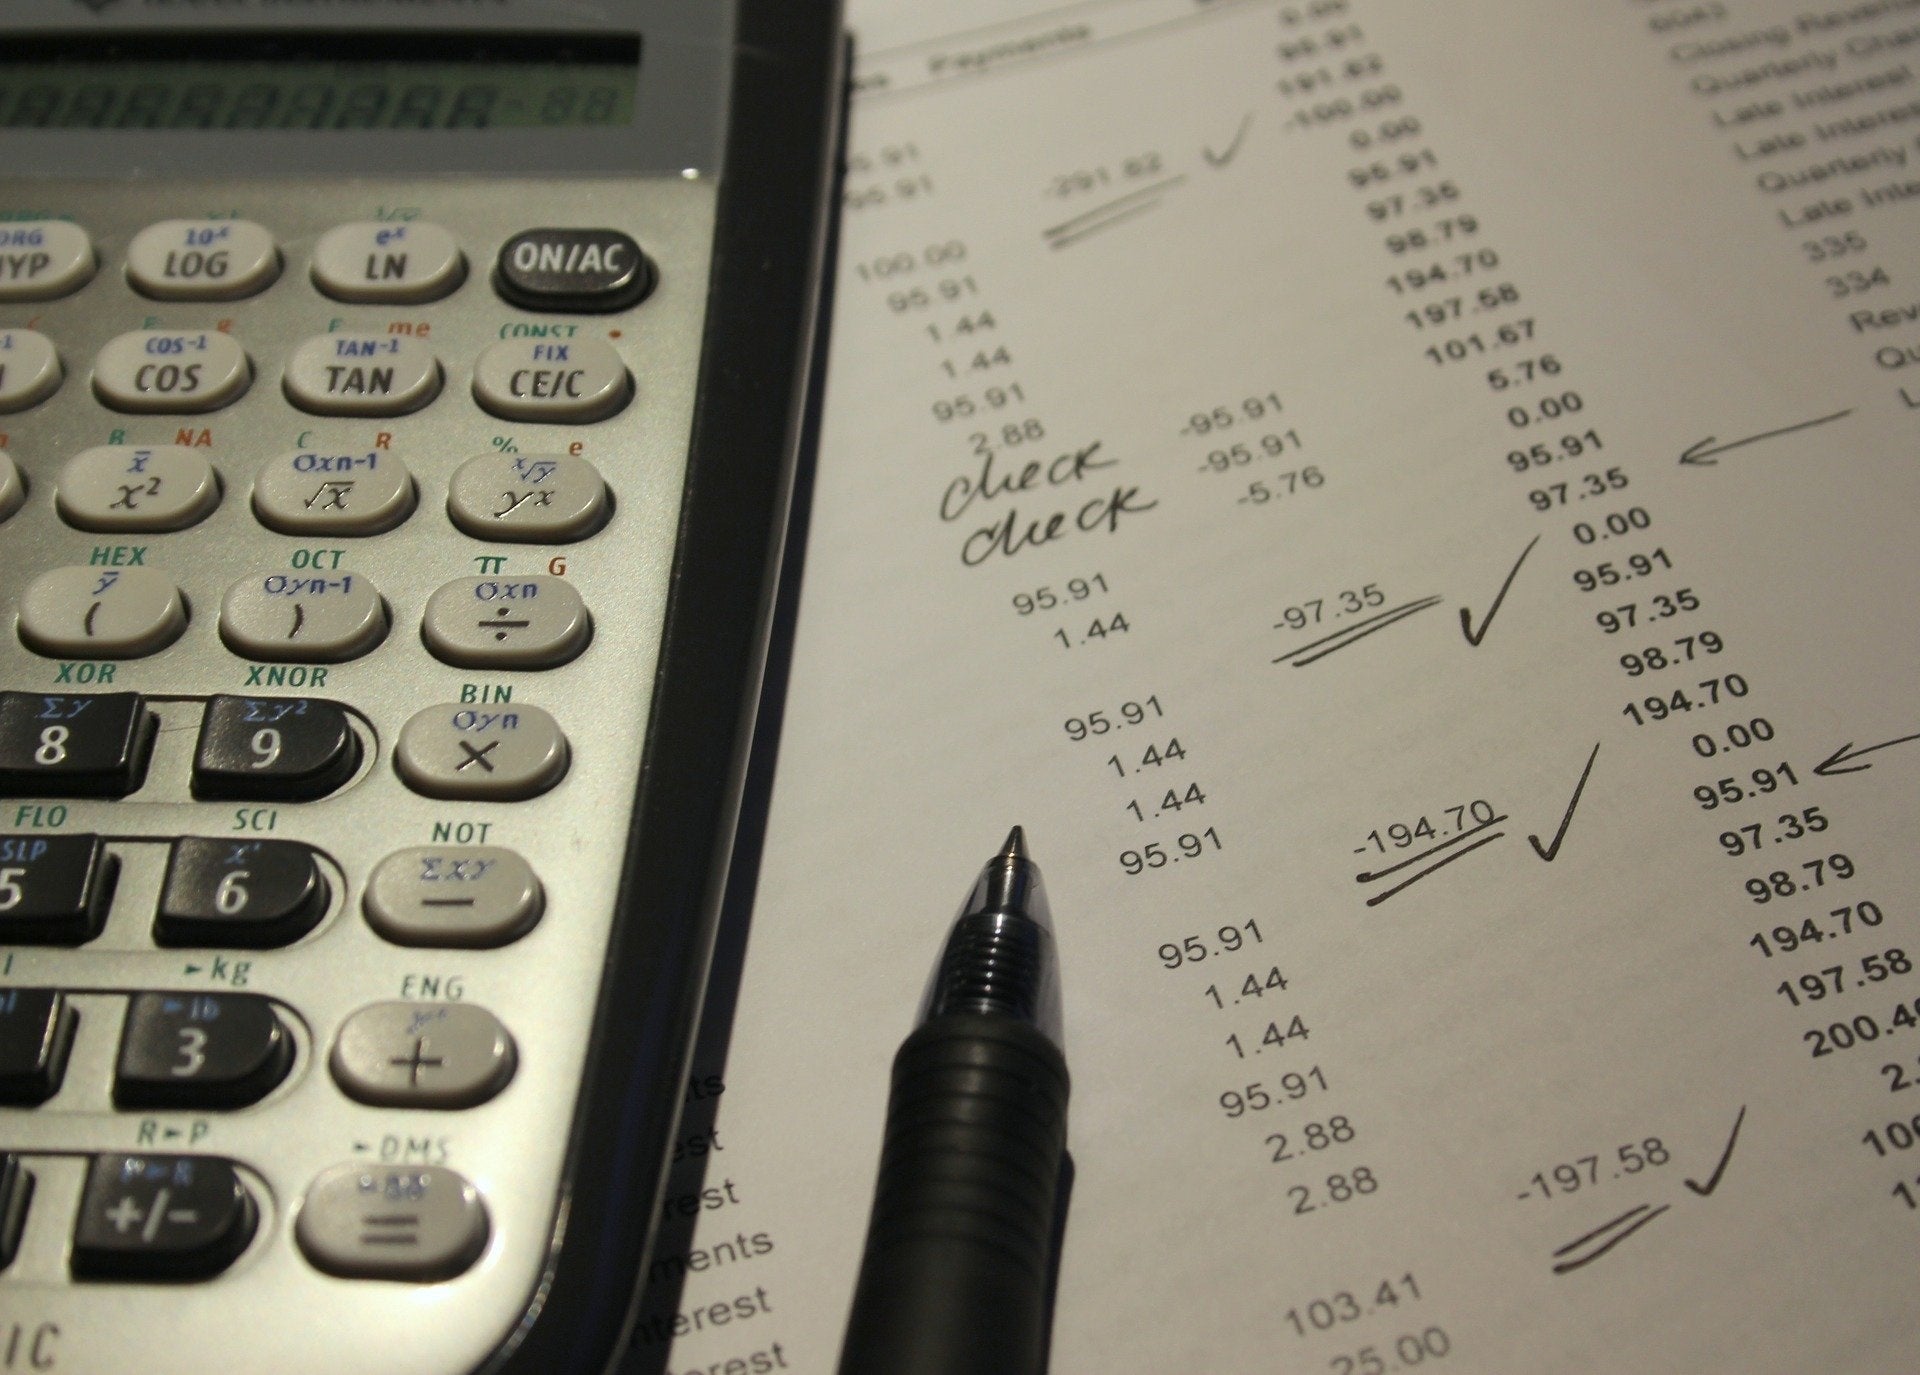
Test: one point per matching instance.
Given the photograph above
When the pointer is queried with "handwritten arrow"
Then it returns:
(1701, 455)
(1466, 617)
(1846, 754)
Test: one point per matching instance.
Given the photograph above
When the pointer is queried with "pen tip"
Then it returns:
(1016, 846)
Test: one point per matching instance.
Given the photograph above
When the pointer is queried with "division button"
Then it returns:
(563, 382)
(41, 260)
(392, 1222)
(502, 622)
(13, 487)
(155, 370)
(79, 745)
(30, 370)
(91, 613)
(54, 890)
(161, 1217)
(36, 1033)
(200, 1050)
(273, 749)
(488, 754)
(423, 1055)
(528, 498)
(379, 261)
(475, 896)
(362, 374)
(304, 617)
(310, 493)
(202, 260)
(16, 1190)
(573, 270)
(255, 894)
(118, 488)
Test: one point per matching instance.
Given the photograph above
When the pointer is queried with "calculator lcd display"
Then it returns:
(319, 82)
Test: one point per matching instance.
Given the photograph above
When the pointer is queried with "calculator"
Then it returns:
(399, 404)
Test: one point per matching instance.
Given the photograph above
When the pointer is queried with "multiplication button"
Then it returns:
(380, 261)
(423, 1055)
(418, 1223)
(88, 613)
(30, 370)
(202, 260)
(563, 382)
(42, 260)
(73, 744)
(273, 749)
(117, 488)
(476, 896)
(528, 498)
(161, 1217)
(306, 617)
(313, 493)
(492, 754)
(255, 894)
(500, 622)
(362, 374)
(158, 370)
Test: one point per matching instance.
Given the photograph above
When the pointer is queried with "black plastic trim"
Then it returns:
(782, 139)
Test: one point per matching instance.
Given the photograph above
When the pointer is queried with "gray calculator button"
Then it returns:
(562, 381)
(362, 374)
(117, 487)
(155, 370)
(13, 488)
(528, 498)
(313, 493)
(30, 370)
(115, 613)
(41, 260)
(202, 260)
(474, 896)
(505, 622)
(392, 1222)
(380, 261)
(303, 617)
(422, 1055)
(500, 753)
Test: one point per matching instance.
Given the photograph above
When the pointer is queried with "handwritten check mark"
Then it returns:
(1547, 852)
(1222, 159)
(1474, 637)
(1713, 1180)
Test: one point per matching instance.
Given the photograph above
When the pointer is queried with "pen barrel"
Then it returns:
(956, 1273)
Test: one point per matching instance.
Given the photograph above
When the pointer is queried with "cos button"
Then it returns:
(572, 269)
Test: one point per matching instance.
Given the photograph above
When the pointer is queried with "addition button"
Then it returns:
(423, 1055)
(419, 1223)
(161, 1217)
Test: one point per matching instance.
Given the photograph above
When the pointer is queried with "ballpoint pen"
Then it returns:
(959, 1249)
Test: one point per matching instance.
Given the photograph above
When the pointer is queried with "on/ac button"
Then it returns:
(593, 270)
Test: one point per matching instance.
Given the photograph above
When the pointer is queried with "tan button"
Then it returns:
(362, 374)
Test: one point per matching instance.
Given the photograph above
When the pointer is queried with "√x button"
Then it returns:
(476, 756)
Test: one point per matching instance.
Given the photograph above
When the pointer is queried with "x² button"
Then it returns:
(496, 753)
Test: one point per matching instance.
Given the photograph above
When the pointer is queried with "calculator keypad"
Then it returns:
(331, 590)
(30, 370)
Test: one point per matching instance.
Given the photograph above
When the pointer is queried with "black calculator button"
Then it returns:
(36, 1032)
(273, 749)
(54, 890)
(16, 1188)
(161, 1217)
(79, 745)
(572, 269)
(200, 1050)
(253, 894)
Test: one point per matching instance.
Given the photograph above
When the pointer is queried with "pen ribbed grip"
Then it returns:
(954, 1280)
